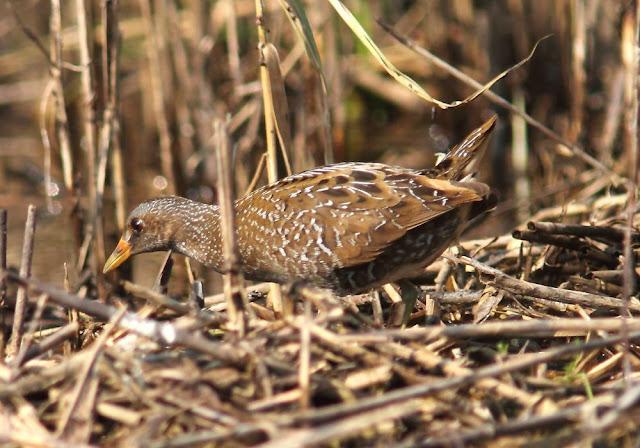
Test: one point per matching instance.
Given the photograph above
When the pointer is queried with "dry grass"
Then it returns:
(526, 335)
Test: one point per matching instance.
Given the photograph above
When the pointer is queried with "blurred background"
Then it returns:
(99, 116)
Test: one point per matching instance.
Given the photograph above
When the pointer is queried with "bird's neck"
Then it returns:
(199, 236)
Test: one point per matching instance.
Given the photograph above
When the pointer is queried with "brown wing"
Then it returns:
(349, 213)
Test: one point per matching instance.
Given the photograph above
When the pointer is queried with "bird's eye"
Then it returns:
(136, 225)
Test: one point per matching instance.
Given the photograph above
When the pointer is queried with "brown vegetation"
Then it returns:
(524, 333)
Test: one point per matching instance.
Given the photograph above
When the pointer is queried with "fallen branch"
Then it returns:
(162, 332)
(539, 328)
(521, 287)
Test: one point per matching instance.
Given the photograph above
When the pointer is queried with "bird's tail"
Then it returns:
(454, 164)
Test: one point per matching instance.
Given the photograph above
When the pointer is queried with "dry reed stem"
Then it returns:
(297, 16)
(279, 101)
(305, 358)
(281, 304)
(515, 286)
(109, 127)
(157, 91)
(336, 111)
(630, 42)
(207, 317)
(610, 233)
(613, 117)
(520, 156)
(161, 282)
(46, 142)
(540, 328)
(25, 272)
(56, 73)
(3, 283)
(28, 337)
(89, 133)
(237, 305)
(3, 253)
(256, 176)
(185, 120)
(196, 295)
(233, 50)
(50, 342)
(118, 180)
(578, 75)
(111, 118)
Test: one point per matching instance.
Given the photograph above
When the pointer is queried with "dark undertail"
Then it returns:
(420, 246)
(488, 203)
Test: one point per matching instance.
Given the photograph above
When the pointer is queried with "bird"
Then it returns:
(349, 227)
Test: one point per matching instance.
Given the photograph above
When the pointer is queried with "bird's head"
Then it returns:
(151, 227)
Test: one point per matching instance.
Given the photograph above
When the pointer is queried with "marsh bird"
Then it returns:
(349, 227)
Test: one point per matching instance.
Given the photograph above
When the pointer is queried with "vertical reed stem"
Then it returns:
(111, 62)
(3, 282)
(275, 292)
(578, 75)
(56, 72)
(109, 126)
(25, 272)
(304, 372)
(89, 131)
(118, 182)
(3, 253)
(267, 98)
(233, 281)
(31, 330)
(233, 51)
(630, 40)
(520, 155)
(158, 96)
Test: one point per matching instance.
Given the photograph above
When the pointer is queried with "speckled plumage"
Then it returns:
(348, 226)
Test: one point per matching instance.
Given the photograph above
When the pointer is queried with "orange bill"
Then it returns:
(119, 256)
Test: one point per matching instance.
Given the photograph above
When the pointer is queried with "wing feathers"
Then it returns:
(346, 214)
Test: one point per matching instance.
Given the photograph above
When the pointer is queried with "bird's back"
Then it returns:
(353, 226)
